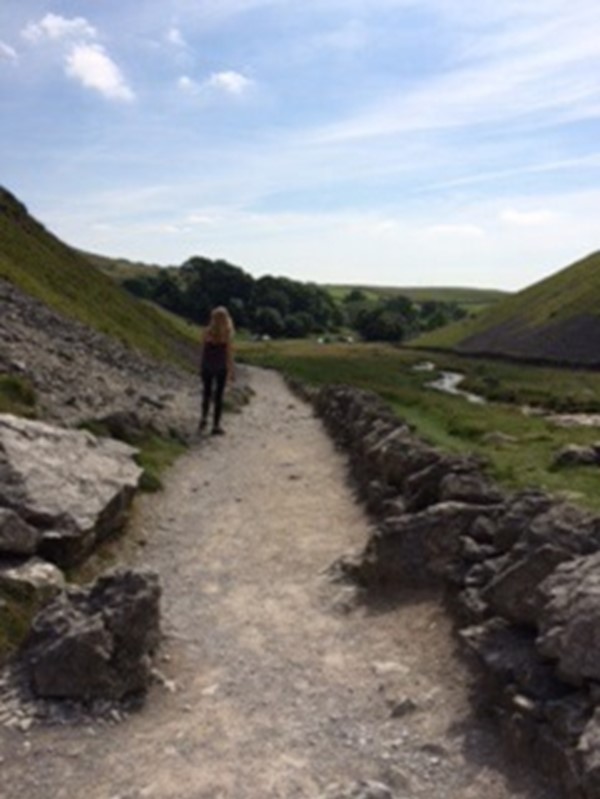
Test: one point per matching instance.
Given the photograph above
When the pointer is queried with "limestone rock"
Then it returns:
(16, 537)
(469, 486)
(551, 536)
(577, 455)
(365, 789)
(570, 619)
(418, 548)
(518, 516)
(95, 642)
(589, 753)
(509, 656)
(34, 581)
(513, 594)
(565, 526)
(67, 483)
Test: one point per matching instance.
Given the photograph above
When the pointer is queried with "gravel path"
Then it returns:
(277, 683)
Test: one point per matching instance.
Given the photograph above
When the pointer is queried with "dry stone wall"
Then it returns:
(521, 573)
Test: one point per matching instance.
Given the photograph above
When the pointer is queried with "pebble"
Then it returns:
(403, 708)
(381, 668)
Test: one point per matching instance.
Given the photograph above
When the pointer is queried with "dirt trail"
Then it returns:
(279, 688)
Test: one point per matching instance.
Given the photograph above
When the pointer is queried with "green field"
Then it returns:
(451, 422)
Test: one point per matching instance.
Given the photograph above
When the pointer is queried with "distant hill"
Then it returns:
(556, 320)
(38, 263)
(470, 299)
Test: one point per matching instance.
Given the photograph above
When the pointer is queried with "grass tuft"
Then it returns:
(17, 396)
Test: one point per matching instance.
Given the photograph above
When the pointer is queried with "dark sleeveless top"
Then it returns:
(214, 357)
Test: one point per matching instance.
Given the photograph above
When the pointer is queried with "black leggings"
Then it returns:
(218, 379)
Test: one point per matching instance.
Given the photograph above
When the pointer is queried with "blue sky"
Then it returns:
(397, 142)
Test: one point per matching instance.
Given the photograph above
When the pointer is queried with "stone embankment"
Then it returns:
(63, 490)
(520, 572)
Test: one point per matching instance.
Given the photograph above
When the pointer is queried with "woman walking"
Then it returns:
(216, 366)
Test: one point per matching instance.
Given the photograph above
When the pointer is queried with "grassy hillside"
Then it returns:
(41, 265)
(555, 320)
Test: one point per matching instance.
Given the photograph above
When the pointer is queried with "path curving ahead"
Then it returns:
(280, 686)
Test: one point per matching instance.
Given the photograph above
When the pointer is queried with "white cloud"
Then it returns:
(201, 219)
(496, 74)
(187, 84)
(8, 53)
(527, 218)
(55, 27)
(230, 82)
(175, 37)
(86, 61)
(351, 36)
(93, 68)
(460, 230)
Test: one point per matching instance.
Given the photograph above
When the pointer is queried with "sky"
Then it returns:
(390, 142)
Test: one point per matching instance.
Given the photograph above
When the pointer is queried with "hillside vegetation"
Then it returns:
(556, 320)
(41, 265)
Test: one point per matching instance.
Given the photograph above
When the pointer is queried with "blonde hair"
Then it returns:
(220, 328)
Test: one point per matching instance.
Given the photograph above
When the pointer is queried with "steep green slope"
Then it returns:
(41, 265)
(555, 320)
(120, 269)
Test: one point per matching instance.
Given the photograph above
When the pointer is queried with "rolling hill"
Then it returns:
(554, 321)
(470, 299)
(38, 263)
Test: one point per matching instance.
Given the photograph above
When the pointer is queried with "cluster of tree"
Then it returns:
(397, 318)
(281, 307)
(274, 306)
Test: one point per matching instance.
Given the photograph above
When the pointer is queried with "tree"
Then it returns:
(355, 295)
(201, 284)
(268, 321)
(297, 325)
(211, 283)
(380, 324)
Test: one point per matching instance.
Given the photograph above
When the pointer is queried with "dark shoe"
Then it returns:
(202, 425)
(217, 431)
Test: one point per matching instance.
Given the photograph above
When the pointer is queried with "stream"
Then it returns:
(449, 383)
